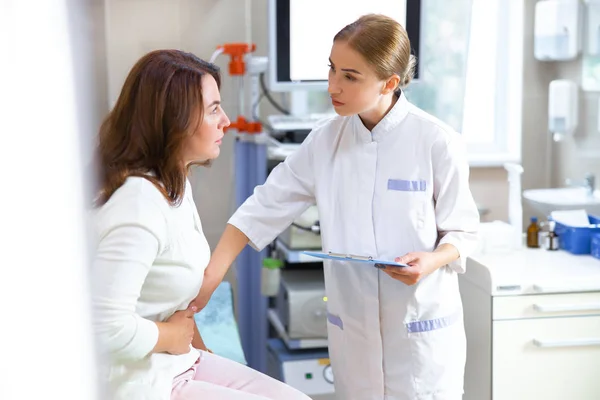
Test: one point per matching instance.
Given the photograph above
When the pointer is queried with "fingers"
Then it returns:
(407, 258)
(193, 303)
(187, 313)
(191, 310)
(403, 271)
(407, 275)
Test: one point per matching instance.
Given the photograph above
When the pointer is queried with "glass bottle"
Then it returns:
(533, 231)
(552, 238)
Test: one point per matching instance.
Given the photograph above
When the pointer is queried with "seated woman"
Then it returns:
(151, 252)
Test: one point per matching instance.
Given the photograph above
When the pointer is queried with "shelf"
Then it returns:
(294, 256)
(293, 344)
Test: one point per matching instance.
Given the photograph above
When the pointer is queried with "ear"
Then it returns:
(391, 84)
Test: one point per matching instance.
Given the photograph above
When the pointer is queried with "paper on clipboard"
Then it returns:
(354, 258)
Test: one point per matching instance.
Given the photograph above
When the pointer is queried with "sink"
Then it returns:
(547, 200)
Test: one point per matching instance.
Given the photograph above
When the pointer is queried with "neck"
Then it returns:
(372, 117)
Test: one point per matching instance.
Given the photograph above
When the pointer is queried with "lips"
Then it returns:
(336, 103)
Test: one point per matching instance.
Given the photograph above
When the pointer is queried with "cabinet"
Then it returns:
(533, 326)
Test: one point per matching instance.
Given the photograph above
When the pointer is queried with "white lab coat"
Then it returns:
(402, 187)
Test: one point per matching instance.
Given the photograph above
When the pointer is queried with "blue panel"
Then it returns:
(250, 171)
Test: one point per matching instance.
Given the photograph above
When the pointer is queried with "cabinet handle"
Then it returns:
(567, 343)
(566, 289)
(566, 307)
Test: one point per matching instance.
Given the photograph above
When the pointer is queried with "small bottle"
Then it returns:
(270, 277)
(533, 231)
(552, 238)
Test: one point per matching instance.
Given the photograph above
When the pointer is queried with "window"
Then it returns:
(471, 74)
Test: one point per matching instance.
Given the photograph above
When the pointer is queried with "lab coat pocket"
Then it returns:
(438, 352)
(409, 195)
(404, 185)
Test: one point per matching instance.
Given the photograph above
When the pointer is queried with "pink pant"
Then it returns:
(214, 377)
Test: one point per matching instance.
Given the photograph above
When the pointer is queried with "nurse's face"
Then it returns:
(353, 85)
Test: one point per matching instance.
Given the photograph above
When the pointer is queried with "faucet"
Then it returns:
(588, 182)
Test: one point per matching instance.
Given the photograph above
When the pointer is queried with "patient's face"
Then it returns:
(205, 142)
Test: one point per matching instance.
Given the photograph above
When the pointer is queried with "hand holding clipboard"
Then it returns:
(354, 258)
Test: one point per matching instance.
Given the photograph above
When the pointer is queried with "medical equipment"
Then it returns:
(298, 52)
(301, 304)
(557, 30)
(304, 233)
(563, 111)
(250, 171)
(283, 123)
(308, 371)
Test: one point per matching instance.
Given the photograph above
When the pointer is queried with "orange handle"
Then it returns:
(237, 51)
(241, 125)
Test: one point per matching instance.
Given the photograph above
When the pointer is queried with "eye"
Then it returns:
(214, 110)
(350, 78)
(331, 67)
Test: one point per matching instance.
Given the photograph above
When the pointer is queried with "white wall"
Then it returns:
(200, 25)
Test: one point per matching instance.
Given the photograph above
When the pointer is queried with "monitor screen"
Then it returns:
(301, 34)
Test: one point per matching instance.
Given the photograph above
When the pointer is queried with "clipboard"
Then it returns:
(354, 258)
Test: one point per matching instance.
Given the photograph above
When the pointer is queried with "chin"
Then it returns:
(343, 113)
(214, 155)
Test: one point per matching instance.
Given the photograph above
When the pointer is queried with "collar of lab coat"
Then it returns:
(388, 124)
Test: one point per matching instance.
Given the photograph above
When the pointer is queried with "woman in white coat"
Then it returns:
(392, 182)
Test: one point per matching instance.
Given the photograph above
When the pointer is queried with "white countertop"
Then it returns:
(533, 271)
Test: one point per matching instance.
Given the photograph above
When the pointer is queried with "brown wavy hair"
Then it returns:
(159, 106)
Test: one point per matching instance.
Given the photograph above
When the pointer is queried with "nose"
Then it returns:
(225, 122)
(333, 87)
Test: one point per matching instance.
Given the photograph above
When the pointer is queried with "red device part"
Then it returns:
(243, 126)
(237, 66)
(237, 51)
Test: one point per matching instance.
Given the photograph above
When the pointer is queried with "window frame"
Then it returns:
(506, 145)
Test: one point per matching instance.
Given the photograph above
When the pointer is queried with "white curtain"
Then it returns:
(46, 343)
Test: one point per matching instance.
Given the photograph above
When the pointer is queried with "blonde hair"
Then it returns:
(384, 44)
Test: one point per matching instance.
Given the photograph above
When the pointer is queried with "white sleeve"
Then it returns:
(287, 193)
(456, 213)
(126, 251)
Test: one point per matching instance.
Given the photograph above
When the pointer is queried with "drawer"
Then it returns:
(546, 305)
(550, 359)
